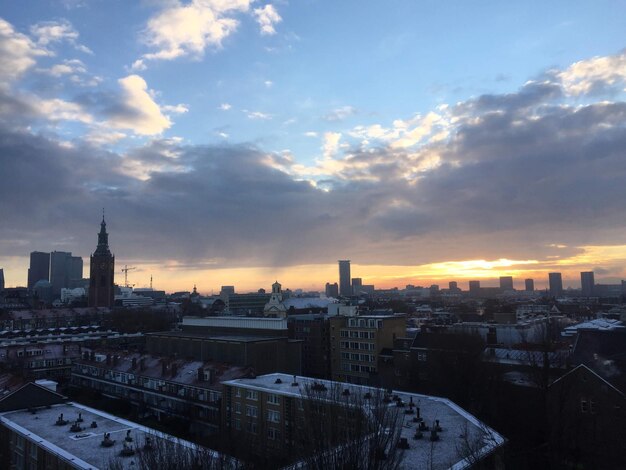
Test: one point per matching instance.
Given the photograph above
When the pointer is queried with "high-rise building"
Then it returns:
(75, 271)
(59, 271)
(529, 285)
(101, 272)
(453, 286)
(345, 288)
(587, 283)
(1, 279)
(474, 287)
(357, 284)
(506, 283)
(39, 268)
(556, 284)
(332, 290)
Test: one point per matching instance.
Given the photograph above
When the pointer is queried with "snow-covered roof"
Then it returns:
(597, 324)
(300, 303)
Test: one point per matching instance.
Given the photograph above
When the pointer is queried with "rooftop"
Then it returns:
(173, 370)
(82, 449)
(225, 338)
(460, 428)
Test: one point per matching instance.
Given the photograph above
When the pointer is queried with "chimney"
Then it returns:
(174, 369)
(116, 358)
(163, 367)
(200, 374)
(142, 363)
(92, 356)
(108, 359)
(134, 363)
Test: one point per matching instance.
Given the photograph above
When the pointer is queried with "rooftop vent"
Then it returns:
(295, 382)
(278, 381)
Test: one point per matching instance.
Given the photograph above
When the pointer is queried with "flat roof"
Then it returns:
(228, 338)
(460, 428)
(83, 449)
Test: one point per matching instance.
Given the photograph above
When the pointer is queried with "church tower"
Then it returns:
(101, 271)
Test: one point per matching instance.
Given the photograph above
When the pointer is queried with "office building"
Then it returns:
(506, 283)
(587, 283)
(555, 282)
(102, 272)
(453, 286)
(357, 285)
(357, 342)
(345, 288)
(332, 290)
(64, 268)
(39, 268)
(529, 285)
(474, 287)
(1, 279)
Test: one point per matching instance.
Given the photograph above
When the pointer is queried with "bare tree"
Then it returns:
(342, 426)
(157, 452)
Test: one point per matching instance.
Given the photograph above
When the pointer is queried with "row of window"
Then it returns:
(273, 434)
(364, 323)
(358, 334)
(357, 368)
(357, 345)
(253, 412)
(358, 357)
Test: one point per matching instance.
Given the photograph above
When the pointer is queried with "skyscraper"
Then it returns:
(1, 279)
(529, 284)
(101, 272)
(506, 283)
(556, 284)
(474, 287)
(59, 271)
(357, 283)
(453, 286)
(345, 288)
(587, 283)
(39, 268)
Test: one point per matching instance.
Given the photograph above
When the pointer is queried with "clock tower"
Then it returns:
(101, 271)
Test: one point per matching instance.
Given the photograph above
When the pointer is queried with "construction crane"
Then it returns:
(125, 270)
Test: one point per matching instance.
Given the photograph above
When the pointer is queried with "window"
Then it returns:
(251, 427)
(372, 335)
(238, 408)
(238, 392)
(237, 424)
(345, 355)
(273, 434)
(592, 407)
(273, 416)
(354, 334)
(344, 334)
(584, 405)
(273, 399)
(364, 335)
(252, 395)
(252, 411)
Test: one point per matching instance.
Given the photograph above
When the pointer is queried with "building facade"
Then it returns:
(358, 341)
(587, 284)
(555, 282)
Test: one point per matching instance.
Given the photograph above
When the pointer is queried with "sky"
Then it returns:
(235, 142)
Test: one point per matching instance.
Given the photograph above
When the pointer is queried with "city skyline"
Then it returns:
(239, 142)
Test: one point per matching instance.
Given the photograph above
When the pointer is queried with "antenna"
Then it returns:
(125, 270)
(150, 281)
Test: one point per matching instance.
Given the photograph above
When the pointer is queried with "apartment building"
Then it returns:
(358, 341)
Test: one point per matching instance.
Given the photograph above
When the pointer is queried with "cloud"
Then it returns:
(50, 32)
(268, 83)
(67, 67)
(498, 176)
(189, 29)
(18, 52)
(267, 17)
(176, 109)
(595, 76)
(257, 115)
(310, 134)
(136, 109)
(339, 114)
(225, 106)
